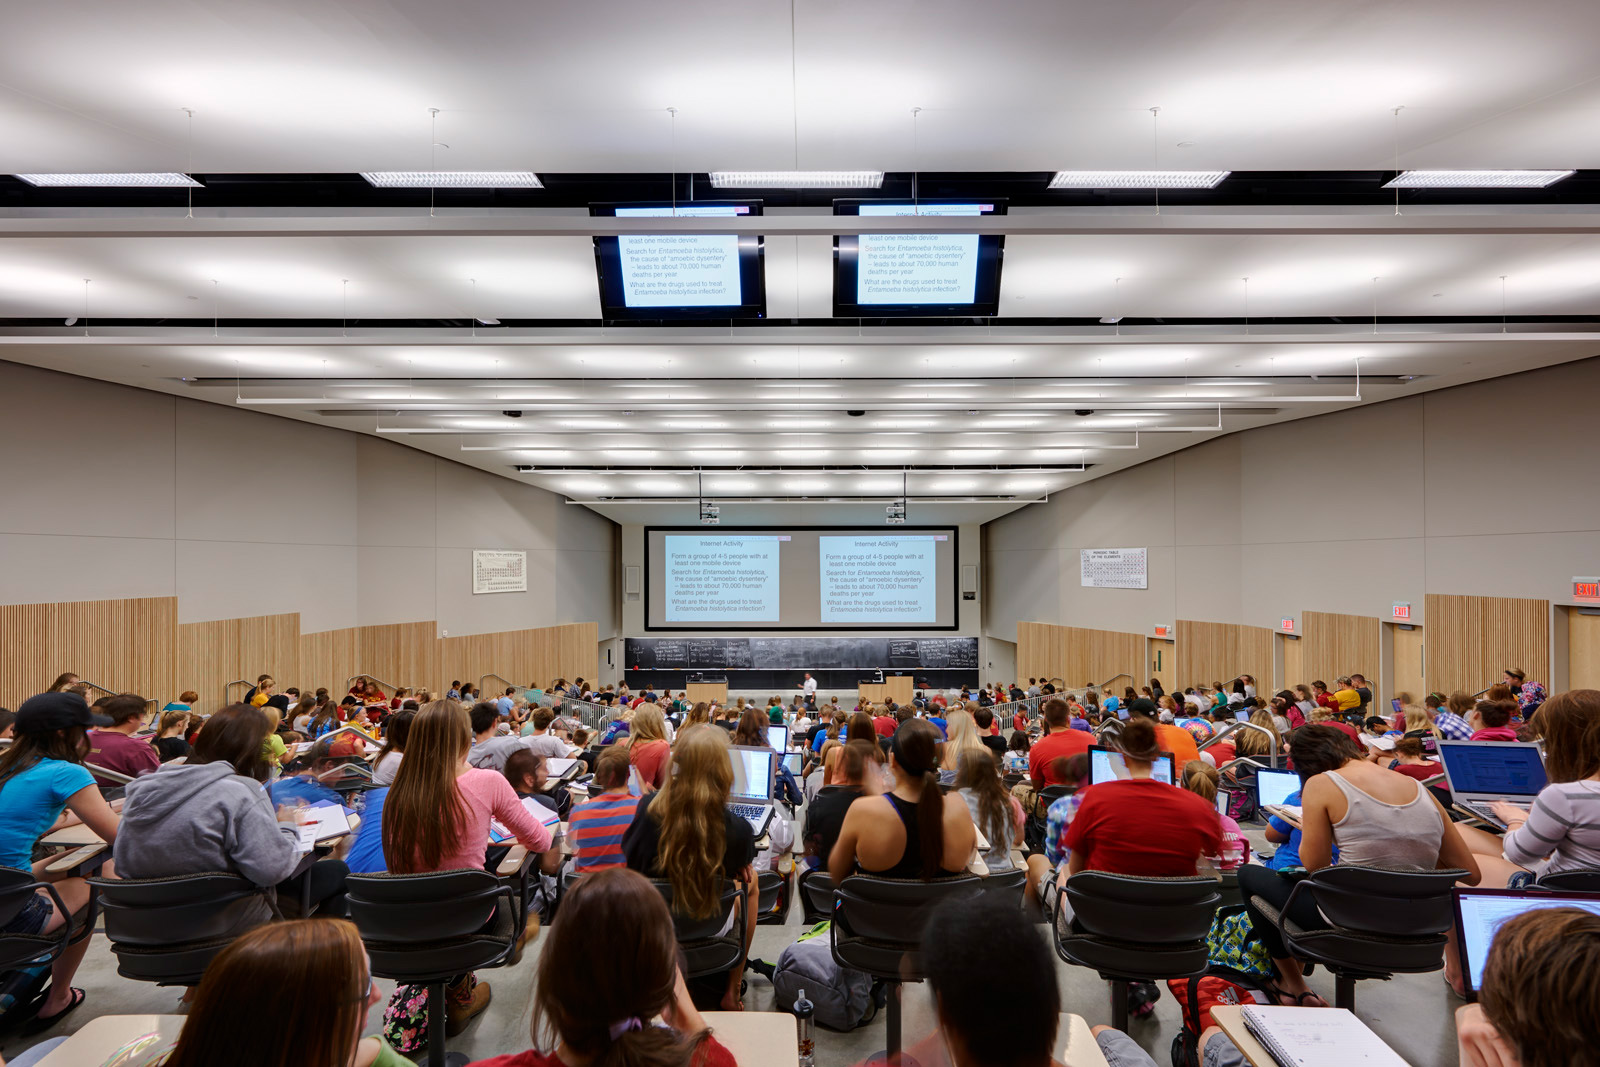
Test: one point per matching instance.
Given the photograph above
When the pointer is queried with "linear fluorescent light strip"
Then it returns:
(169, 180)
(796, 179)
(1476, 179)
(1138, 179)
(453, 179)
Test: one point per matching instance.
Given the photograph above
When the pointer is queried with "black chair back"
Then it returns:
(17, 888)
(877, 922)
(1572, 881)
(1152, 911)
(713, 944)
(1388, 902)
(816, 888)
(430, 927)
(167, 930)
(1006, 887)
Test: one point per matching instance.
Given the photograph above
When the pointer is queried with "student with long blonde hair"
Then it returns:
(685, 834)
(649, 750)
(699, 715)
(436, 818)
(962, 732)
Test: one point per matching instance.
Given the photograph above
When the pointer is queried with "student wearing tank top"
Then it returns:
(1376, 818)
(913, 831)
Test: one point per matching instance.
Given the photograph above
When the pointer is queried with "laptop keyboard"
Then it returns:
(1486, 813)
(753, 812)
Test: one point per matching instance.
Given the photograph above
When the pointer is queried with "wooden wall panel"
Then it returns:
(405, 653)
(25, 665)
(1471, 640)
(523, 657)
(328, 659)
(1218, 652)
(212, 654)
(1336, 645)
(1583, 650)
(125, 645)
(1079, 656)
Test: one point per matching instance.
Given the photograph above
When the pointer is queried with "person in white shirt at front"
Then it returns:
(544, 743)
(809, 686)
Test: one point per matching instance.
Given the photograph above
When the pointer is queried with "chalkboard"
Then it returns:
(800, 653)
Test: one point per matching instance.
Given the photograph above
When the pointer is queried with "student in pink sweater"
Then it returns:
(436, 818)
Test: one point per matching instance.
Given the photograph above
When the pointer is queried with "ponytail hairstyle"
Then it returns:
(608, 967)
(914, 750)
(1200, 778)
(689, 808)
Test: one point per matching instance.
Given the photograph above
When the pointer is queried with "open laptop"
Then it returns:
(1275, 787)
(753, 775)
(1482, 771)
(794, 762)
(778, 738)
(1481, 912)
(1106, 765)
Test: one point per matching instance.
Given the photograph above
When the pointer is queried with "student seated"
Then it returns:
(913, 831)
(854, 775)
(538, 738)
(387, 762)
(436, 818)
(309, 784)
(211, 814)
(113, 747)
(526, 772)
(648, 750)
(597, 825)
(1060, 740)
(994, 987)
(41, 775)
(325, 965)
(1375, 817)
(1539, 993)
(1494, 720)
(685, 833)
(490, 749)
(1202, 779)
(608, 969)
(169, 740)
(962, 731)
(994, 811)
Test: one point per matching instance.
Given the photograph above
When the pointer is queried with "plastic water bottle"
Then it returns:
(803, 1012)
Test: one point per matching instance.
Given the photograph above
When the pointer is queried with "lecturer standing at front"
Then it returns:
(809, 686)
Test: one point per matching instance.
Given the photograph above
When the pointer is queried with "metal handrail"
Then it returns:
(587, 711)
(97, 685)
(1108, 681)
(393, 689)
(1003, 713)
(116, 777)
(1235, 727)
(226, 689)
(503, 678)
(1485, 689)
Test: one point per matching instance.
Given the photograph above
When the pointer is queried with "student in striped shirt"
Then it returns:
(597, 825)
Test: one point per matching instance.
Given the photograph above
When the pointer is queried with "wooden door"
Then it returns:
(1293, 664)
(1163, 663)
(1409, 675)
(1583, 651)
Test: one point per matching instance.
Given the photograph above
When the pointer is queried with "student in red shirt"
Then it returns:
(113, 747)
(1061, 741)
(1494, 718)
(648, 749)
(609, 967)
(884, 723)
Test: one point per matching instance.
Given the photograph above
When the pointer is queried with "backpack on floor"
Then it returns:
(842, 997)
(21, 993)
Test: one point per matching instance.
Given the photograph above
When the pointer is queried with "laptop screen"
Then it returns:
(1481, 912)
(1276, 787)
(778, 737)
(752, 773)
(1501, 770)
(1106, 765)
(793, 761)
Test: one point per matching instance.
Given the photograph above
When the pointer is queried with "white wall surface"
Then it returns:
(110, 492)
(1487, 489)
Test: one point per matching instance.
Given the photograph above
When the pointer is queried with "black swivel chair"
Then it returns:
(815, 887)
(1133, 929)
(210, 909)
(425, 929)
(877, 928)
(1382, 922)
(1585, 881)
(776, 895)
(17, 887)
(706, 948)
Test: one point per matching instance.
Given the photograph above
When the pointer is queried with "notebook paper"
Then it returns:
(1318, 1037)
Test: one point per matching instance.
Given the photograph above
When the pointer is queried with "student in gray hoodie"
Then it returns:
(213, 814)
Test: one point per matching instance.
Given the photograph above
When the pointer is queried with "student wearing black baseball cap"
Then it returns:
(41, 775)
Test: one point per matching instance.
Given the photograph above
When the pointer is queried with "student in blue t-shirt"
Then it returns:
(308, 786)
(366, 851)
(1287, 838)
(942, 724)
(42, 775)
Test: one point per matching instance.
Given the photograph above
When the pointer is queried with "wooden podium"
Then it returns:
(897, 689)
(710, 692)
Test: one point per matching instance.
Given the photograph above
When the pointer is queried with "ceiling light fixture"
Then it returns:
(1476, 179)
(453, 179)
(796, 179)
(170, 180)
(1138, 179)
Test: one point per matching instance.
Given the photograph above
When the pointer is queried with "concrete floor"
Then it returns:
(1413, 1013)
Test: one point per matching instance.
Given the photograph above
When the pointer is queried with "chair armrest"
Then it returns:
(515, 862)
(1283, 913)
(78, 860)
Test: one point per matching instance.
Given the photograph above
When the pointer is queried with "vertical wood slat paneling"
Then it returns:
(1219, 652)
(523, 657)
(405, 653)
(212, 654)
(1078, 656)
(327, 659)
(124, 645)
(1473, 639)
(1337, 645)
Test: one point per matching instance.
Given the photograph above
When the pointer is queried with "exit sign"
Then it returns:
(1401, 611)
(1586, 588)
(1163, 631)
(1287, 626)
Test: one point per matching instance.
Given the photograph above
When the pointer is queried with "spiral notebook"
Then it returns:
(1317, 1037)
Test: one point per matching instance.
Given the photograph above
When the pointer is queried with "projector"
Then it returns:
(710, 515)
(895, 514)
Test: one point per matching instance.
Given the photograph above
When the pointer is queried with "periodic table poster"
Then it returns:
(1113, 568)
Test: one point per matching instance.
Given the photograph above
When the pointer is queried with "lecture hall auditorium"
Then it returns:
(789, 534)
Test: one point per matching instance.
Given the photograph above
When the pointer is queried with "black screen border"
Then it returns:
(986, 289)
(752, 271)
(955, 581)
